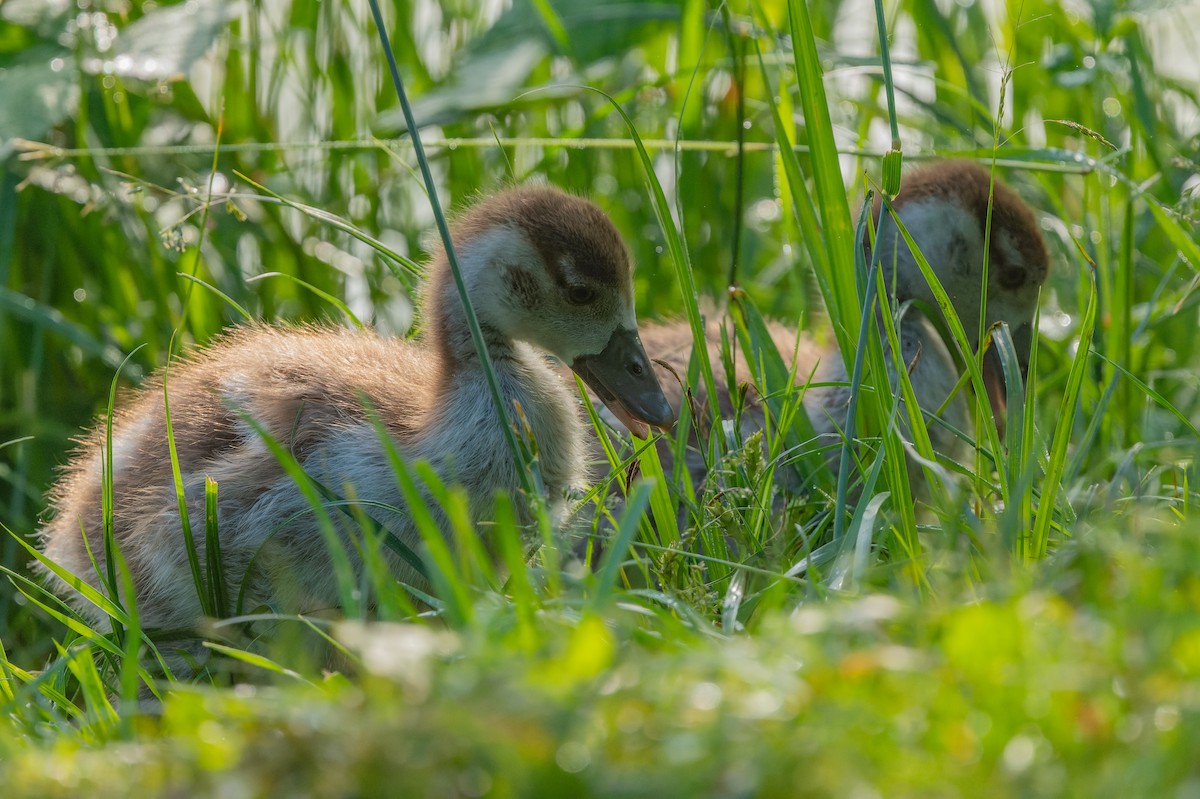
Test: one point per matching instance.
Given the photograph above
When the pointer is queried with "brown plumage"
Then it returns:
(547, 272)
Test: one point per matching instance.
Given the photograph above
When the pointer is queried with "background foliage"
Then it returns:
(132, 131)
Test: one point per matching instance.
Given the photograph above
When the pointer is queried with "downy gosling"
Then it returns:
(547, 272)
(944, 207)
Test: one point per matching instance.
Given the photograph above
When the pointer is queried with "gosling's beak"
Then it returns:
(993, 383)
(624, 381)
(993, 373)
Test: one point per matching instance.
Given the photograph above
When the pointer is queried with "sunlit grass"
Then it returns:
(1032, 630)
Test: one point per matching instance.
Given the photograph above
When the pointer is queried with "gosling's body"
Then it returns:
(303, 387)
(527, 256)
(826, 401)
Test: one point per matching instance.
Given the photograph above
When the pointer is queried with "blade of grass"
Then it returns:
(100, 718)
(440, 568)
(520, 589)
(802, 201)
(338, 557)
(618, 546)
(131, 669)
(917, 425)
(181, 502)
(836, 227)
(680, 257)
(958, 338)
(76, 583)
(1064, 425)
(62, 612)
(523, 468)
(892, 160)
(474, 563)
(52, 319)
(256, 660)
(777, 384)
(392, 258)
(228, 300)
(325, 295)
(1019, 463)
(218, 594)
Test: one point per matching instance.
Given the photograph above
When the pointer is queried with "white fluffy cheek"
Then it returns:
(588, 336)
(581, 339)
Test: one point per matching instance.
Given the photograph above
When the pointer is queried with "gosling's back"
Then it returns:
(305, 387)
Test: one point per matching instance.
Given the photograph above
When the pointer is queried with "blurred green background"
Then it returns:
(127, 127)
(125, 131)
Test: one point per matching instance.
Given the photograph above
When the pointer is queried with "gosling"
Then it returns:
(945, 209)
(546, 272)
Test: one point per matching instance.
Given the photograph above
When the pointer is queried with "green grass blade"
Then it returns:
(52, 319)
(325, 295)
(392, 258)
(256, 660)
(618, 546)
(76, 583)
(232, 303)
(802, 200)
(525, 602)
(338, 556)
(181, 502)
(1064, 424)
(777, 384)
(214, 565)
(958, 338)
(524, 469)
(836, 226)
(679, 257)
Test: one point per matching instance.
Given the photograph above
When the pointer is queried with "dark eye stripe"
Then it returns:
(1013, 277)
(581, 295)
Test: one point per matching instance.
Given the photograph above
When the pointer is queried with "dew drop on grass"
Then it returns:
(572, 757)
(1018, 754)
(706, 696)
(630, 719)
(1166, 717)
(1128, 729)
(475, 782)
(210, 732)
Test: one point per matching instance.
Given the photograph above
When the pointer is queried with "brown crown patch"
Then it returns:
(560, 226)
(967, 183)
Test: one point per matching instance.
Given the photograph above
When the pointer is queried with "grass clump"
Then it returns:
(1068, 683)
(1031, 635)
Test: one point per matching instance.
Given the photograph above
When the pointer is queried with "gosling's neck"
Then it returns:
(450, 335)
(498, 309)
(525, 376)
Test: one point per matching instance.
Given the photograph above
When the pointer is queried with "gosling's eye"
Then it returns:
(1013, 278)
(581, 295)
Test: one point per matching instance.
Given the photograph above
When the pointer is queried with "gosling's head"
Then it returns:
(548, 268)
(945, 209)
